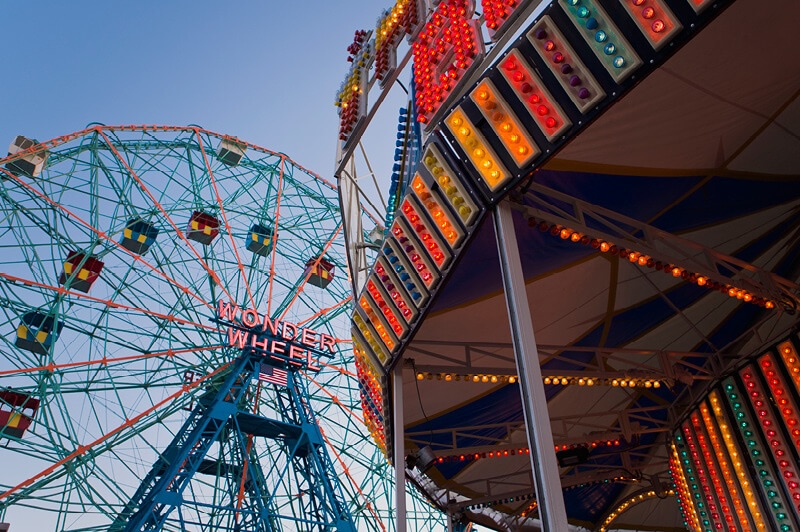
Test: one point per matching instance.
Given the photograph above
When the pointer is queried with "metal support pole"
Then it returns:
(534, 402)
(399, 448)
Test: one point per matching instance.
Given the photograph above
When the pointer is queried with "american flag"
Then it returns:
(272, 374)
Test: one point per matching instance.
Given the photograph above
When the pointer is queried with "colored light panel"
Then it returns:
(725, 468)
(411, 247)
(696, 496)
(699, 5)
(504, 123)
(714, 475)
(478, 151)
(401, 19)
(736, 460)
(352, 96)
(375, 317)
(386, 277)
(781, 451)
(758, 458)
(782, 396)
(430, 199)
(541, 105)
(790, 360)
(386, 307)
(405, 272)
(451, 186)
(706, 484)
(563, 62)
(371, 393)
(377, 348)
(444, 52)
(498, 13)
(603, 37)
(654, 19)
(691, 520)
(431, 242)
(418, 259)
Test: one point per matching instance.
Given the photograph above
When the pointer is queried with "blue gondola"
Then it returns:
(38, 332)
(260, 240)
(138, 236)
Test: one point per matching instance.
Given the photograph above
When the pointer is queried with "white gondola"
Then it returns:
(30, 165)
(230, 152)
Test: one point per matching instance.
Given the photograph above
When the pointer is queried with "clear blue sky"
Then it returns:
(266, 71)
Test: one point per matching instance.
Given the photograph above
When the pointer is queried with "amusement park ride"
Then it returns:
(589, 248)
(177, 306)
(177, 360)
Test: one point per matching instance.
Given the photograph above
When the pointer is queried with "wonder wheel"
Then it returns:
(118, 244)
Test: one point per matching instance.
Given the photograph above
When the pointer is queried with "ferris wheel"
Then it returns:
(118, 244)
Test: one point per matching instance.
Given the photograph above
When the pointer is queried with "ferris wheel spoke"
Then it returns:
(323, 312)
(277, 221)
(349, 415)
(286, 305)
(104, 236)
(224, 215)
(167, 217)
(106, 361)
(34, 481)
(353, 483)
(146, 332)
(106, 302)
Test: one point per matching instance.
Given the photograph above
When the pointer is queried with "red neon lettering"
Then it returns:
(309, 337)
(279, 348)
(236, 337)
(255, 344)
(445, 49)
(271, 326)
(227, 311)
(326, 341)
(289, 327)
(250, 318)
(310, 363)
(296, 352)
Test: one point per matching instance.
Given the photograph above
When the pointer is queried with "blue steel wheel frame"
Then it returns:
(115, 278)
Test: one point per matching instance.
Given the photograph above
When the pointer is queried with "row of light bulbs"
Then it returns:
(523, 451)
(558, 380)
(507, 500)
(636, 499)
(601, 481)
(641, 259)
(456, 377)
